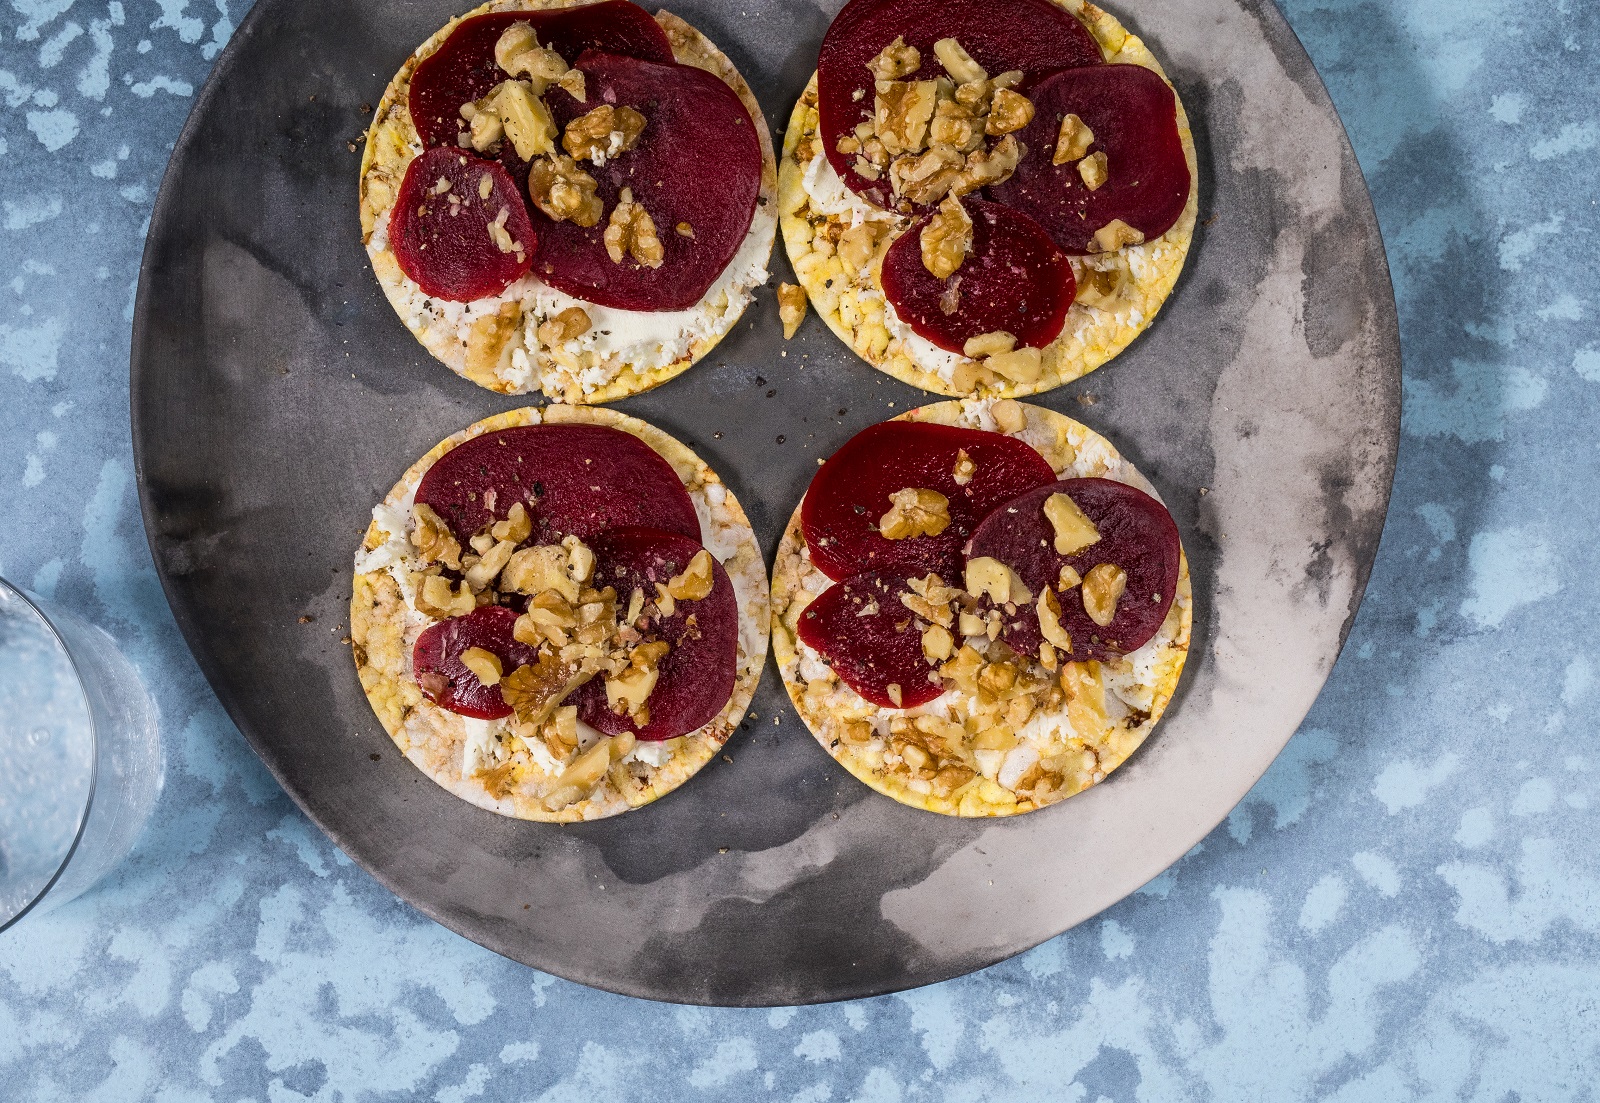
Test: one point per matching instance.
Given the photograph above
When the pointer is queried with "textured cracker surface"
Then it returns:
(853, 306)
(392, 142)
(1074, 451)
(383, 630)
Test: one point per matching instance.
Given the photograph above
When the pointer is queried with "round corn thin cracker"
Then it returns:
(1081, 746)
(384, 628)
(851, 300)
(469, 338)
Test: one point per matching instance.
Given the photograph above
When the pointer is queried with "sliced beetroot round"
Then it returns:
(1134, 117)
(696, 170)
(1035, 36)
(572, 479)
(440, 229)
(463, 68)
(850, 494)
(1014, 279)
(1136, 533)
(871, 640)
(436, 660)
(698, 673)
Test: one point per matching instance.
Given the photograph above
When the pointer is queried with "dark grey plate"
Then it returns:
(276, 398)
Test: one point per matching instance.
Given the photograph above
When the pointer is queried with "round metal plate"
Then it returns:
(276, 397)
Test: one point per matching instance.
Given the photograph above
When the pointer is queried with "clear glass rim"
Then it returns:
(94, 751)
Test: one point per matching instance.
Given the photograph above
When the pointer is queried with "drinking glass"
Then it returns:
(80, 755)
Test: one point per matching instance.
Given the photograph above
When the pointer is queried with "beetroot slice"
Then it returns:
(1136, 533)
(442, 239)
(870, 639)
(463, 68)
(698, 673)
(850, 494)
(1134, 116)
(1015, 279)
(1034, 36)
(698, 163)
(436, 661)
(572, 479)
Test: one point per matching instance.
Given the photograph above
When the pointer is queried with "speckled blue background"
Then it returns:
(1405, 908)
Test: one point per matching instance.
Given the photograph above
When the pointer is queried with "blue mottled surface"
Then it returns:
(1406, 907)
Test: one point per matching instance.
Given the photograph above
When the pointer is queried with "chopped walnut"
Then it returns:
(603, 133)
(1102, 589)
(1008, 111)
(992, 166)
(540, 568)
(858, 244)
(481, 575)
(791, 308)
(1009, 416)
(896, 60)
(1114, 235)
(1024, 365)
(564, 191)
(549, 619)
(516, 527)
(1073, 529)
(501, 236)
(568, 325)
(534, 691)
(666, 604)
(957, 62)
(436, 598)
(485, 665)
(526, 119)
(956, 125)
(517, 51)
(1069, 578)
(572, 82)
(484, 128)
(694, 583)
(1093, 170)
(928, 177)
(915, 512)
(964, 469)
(989, 344)
(1104, 289)
(896, 695)
(433, 539)
(1072, 140)
(1049, 608)
(937, 643)
(987, 575)
(627, 692)
(685, 230)
(971, 624)
(902, 112)
(950, 297)
(946, 239)
(632, 232)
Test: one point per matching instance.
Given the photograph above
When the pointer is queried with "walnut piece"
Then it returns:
(484, 128)
(1069, 578)
(1114, 235)
(1050, 621)
(526, 119)
(927, 177)
(516, 527)
(517, 51)
(989, 344)
(902, 112)
(560, 567)
(1072, 140)
(1102, 589)
(791, 308)
(603, 133)
(632, 232)
(572, 82)
(1008, 111)
(957, 62)
(568, 325)
(1024, 365)
(485, 665)
(857, 245)
(1093, 170)
(628, 691)
(436, 598)
(1009, 416)
(964, 469)
(481, 575)
(1105, 289)
(937, 643)
(577, 782)
(956, 125)
(992, 166)
(1073, 529)
(946, 239)
(695, 581)
(915, 512)
(987, 575)
(433, 539)
(564, 191)
(895, 60)
(533, 692)
(549, 619)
